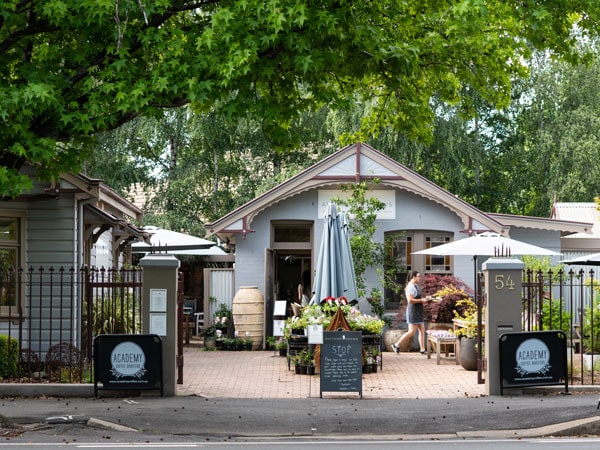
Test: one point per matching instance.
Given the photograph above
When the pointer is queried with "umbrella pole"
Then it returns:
(475, 280)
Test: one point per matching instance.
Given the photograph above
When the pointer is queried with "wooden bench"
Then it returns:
(438, 341)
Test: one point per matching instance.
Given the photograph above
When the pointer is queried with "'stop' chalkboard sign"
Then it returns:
(537, 358)
(341, 362)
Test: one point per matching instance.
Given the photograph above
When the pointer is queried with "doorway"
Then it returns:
(291, 244)
(292, 269)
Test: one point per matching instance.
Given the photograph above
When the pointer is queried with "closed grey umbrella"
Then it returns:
(347, 262)
(334, 262)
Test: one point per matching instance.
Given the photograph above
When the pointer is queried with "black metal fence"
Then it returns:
(50, 317)
(567, 301)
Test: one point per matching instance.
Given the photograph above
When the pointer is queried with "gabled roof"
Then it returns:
(106, 198)
(580, 211)
(359, 162)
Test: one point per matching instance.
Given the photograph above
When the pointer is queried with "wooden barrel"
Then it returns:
(249, 315)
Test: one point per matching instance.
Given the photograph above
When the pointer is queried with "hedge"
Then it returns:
(9, 356)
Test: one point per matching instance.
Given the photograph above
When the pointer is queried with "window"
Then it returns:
(403, 244)
(437, 263)
(291, 235)
(10, 260)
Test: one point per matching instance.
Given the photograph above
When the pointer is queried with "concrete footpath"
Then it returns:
(254, 395)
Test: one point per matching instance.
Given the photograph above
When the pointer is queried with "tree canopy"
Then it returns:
(73, 68)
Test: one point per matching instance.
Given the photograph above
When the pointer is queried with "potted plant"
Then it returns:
(282, 346)
(447, 290)
(223, 319)
(591, 337)
(296, 361)
(371, 360)
(466, 329)
(209, 335)
(304, 362)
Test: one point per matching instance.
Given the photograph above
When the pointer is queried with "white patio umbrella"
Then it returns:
(334, 263)
(486, 244)
(162, 240)
(585, 260)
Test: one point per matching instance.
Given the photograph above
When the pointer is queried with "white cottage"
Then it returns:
(277, 235)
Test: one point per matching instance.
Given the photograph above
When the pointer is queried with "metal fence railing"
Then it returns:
(567, 301)
(49, 318)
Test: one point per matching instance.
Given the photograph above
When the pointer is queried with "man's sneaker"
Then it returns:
(395, 348)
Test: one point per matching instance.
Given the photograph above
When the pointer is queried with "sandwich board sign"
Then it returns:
(537, 358)
(341, 362)
(128, 362)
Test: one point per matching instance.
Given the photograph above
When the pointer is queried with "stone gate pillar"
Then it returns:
(502, 313)
(159, 311)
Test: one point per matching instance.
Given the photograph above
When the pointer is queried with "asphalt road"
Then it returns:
(222, 419)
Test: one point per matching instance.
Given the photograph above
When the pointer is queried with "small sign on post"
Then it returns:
(341, 362)
(128, 361)
(537, 358)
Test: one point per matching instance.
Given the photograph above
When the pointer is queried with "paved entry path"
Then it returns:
(265, 374)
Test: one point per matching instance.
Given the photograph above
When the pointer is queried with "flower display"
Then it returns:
(322, 315)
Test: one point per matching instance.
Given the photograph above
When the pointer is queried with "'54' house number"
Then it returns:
(504, 282)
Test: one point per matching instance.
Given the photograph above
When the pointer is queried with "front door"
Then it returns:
(292, 276)
(291, 242)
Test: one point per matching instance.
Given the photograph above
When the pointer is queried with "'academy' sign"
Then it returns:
(533, 356)
(533, 359)
(128, 360)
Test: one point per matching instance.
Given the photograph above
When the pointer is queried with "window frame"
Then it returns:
(417, 240)
(10, 311)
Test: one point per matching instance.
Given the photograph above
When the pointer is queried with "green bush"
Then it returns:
(591, 329)
(554, 317)
(9, 356)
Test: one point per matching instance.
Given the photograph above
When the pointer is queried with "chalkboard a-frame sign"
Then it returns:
(341, 362)
(128, 361)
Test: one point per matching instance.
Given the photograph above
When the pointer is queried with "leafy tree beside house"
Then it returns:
(71, 69)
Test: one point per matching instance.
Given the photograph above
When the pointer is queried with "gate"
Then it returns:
(112, 301)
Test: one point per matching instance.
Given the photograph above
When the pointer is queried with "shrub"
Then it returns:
(450, 289)
(591, 329)
(113, 315)
(9, 356)
(554, 317)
